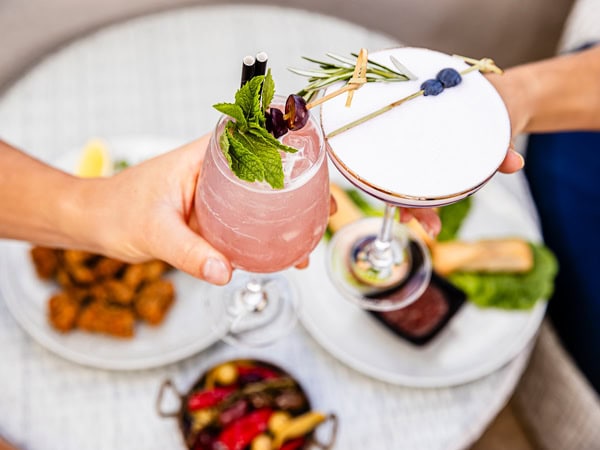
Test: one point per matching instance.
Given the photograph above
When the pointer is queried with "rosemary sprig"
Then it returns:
(341, 68)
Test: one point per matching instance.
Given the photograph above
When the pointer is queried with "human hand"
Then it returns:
(147, 211)
(511, 89)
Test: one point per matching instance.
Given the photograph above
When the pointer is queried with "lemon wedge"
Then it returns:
(95, 160)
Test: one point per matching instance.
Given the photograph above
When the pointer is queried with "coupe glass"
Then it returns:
(263, 230)
(423, 152)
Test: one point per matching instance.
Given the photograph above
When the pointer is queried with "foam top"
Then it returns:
(429, 147)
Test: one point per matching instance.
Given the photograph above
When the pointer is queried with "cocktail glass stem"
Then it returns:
(380, 253)
(261, 308)
(253, 296)
(382, 260)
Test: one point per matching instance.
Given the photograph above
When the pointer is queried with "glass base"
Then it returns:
(257, 319)
(343, 249)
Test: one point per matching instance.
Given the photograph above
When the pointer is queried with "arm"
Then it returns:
(557, 94)
(37, 201)
(144, 212)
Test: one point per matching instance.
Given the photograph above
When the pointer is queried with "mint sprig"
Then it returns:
(251, 151)
(268, 91)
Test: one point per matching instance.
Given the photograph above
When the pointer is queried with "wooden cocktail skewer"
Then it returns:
(484, 65)
(359, 77)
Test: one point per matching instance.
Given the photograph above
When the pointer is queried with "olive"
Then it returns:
(290, 400)
(233, 413)
(250, 378)
(296, 112)
(205, 440)
(260, 400)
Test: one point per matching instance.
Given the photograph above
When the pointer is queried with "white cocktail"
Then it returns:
(419, 151)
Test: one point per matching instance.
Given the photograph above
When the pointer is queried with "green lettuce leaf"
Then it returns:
(452, 217)
(511, 290)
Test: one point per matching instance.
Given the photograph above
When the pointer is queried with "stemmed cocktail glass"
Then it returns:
(412, 144)
(263, 230)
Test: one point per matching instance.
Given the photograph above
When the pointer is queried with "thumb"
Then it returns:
(187, 251)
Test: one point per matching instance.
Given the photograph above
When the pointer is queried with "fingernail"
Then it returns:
(433, 232)
(215, 271)
(332, 206)
(429, 230)
(521, 159)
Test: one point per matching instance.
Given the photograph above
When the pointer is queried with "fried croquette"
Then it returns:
(154, 300)
(45, 261)
(100, 317)
(103, 295)
(63, 310)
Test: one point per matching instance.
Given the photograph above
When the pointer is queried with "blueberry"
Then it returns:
(449, 77)
(432, 87)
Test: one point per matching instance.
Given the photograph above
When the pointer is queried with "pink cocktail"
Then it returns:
(261, 229)
(264, 230)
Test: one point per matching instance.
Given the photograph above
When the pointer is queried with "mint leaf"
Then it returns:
(268, 91)
(245, 164)
(234, 111)
(224, 143)
(252, 153)
(248, 98)
(270, 139)
(268, 155)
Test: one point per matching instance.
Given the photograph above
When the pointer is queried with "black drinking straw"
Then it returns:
(248, 64)
(260, 68)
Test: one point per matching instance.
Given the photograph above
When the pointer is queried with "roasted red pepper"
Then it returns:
(209, 397)
(239, 434)
(294, 444)
(261, 372)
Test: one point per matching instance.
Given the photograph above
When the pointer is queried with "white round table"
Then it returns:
(158, 75)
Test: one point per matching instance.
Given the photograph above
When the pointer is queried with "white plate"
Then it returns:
(475, 342)
(188, 328)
